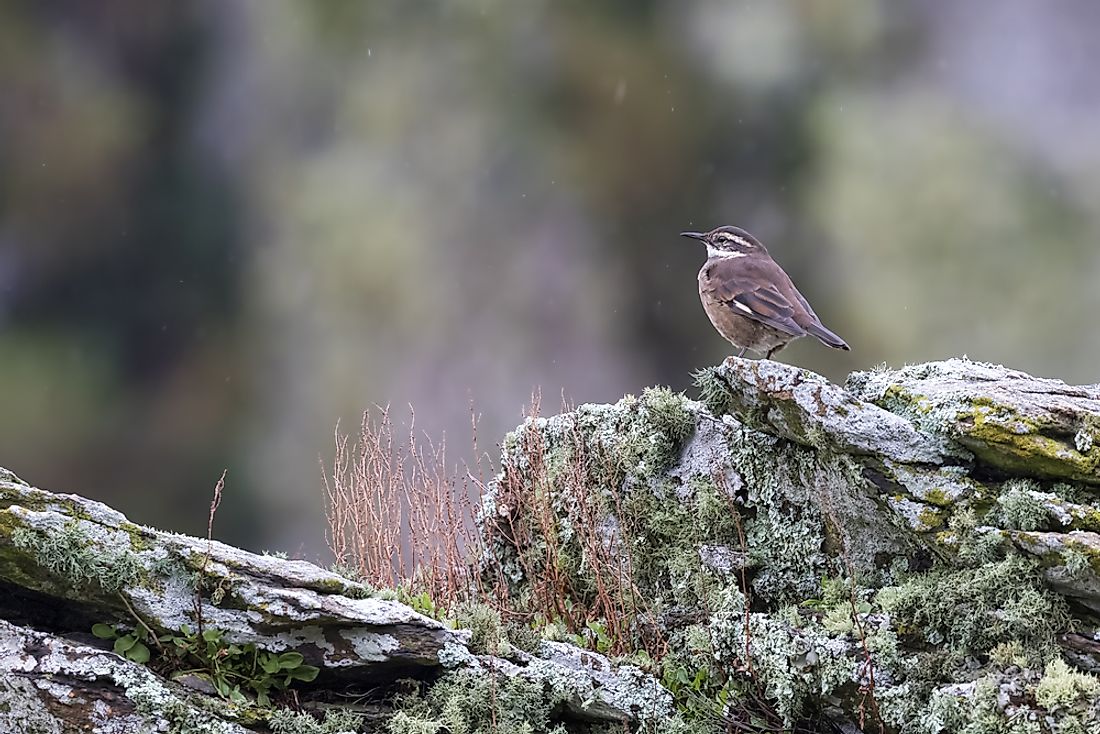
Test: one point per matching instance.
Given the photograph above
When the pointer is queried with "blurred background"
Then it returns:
(226, 225)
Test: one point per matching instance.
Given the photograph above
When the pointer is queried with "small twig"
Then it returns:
(215, 503)
(134, 614)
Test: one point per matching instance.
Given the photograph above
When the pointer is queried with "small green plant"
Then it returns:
(597, 637)
(421, 602)
(230, 668)
(233, 668)
(131, 645)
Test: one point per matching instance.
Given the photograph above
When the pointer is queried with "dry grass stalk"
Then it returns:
(397, 516)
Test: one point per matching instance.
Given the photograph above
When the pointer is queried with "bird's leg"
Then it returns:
(741, 353)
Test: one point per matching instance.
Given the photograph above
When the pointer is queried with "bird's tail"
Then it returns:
(827, 337)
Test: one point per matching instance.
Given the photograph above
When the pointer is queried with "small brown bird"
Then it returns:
(748, 297)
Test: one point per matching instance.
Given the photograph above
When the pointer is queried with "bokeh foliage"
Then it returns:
(225, 225)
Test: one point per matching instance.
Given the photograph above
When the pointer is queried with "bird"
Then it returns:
(749, 299)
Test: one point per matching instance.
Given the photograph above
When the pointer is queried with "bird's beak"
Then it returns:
(695, 235)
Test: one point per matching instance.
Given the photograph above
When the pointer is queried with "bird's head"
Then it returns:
(727, 241)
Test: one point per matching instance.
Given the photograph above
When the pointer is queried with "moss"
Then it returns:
(576, 468)
(1002, 438)
(70, 554)
(484, 622)
(138, 540)
(664, 532)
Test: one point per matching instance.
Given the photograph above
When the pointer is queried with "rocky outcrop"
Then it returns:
(917, 551)
(914, 551)
(68, 565)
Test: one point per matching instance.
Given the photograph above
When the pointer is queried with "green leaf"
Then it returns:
(185, 629)
(122, 644)
(211, 635)
(262, 699)
(104, 631)
(290, 660)
(139, 653)
(864, 608)
(269, 664)
(305, 673)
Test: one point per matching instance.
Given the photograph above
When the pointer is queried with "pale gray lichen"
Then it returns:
(455, 656)
(23, 710)
(919, 516)
(1021, 506)
(796, 665)
(1083, 441)
(588, 684)
(68, 549)
(334, 721)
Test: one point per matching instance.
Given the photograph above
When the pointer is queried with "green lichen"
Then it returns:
(1061, 686)
(487, 629)
(1002, 438)
(1011, 701)
(475, 702)
(1021, 507)
(714, 390)
(974, 609)
(71, 554)
(333, 721)
(796, 664)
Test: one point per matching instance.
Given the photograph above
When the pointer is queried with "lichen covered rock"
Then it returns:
(69, 566)
(911, 551)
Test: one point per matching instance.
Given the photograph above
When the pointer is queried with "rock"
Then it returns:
(906, 551)
(70, 548)
(50, 684)
(1011, 421)
(67, 563)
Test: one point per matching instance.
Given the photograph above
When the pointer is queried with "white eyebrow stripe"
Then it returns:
(714, 252)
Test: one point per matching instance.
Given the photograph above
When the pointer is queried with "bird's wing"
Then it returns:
(751, 290)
